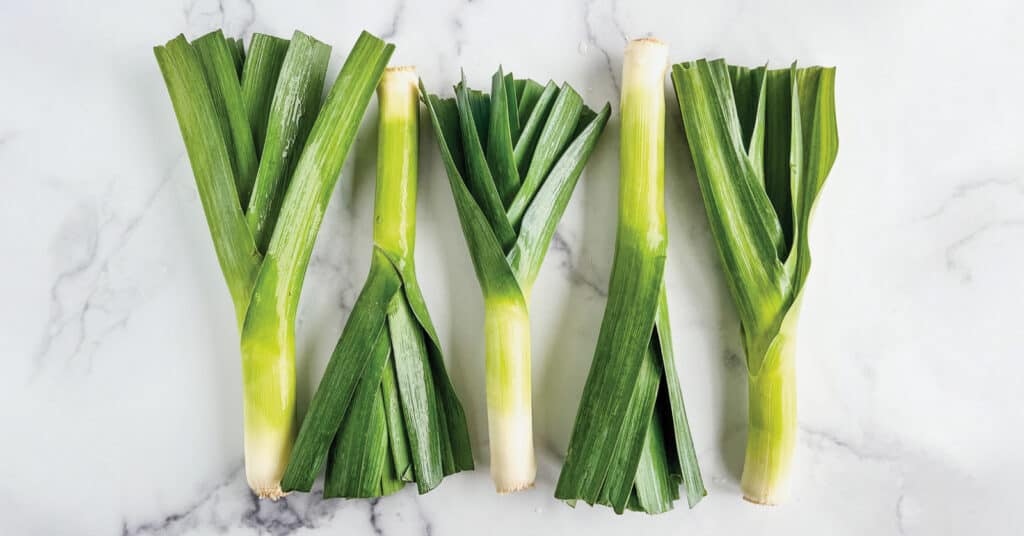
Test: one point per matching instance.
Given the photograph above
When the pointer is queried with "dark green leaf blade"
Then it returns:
(478, 179)
(559, 127)
(345, 368)
(622, 345)
(629, 434)
(457, 452)
(743, 221)
(544, 213)
(208, 154)
(654, 485)
(313, 180)
(398, 438)
(749, 92)
(237, 53)
(513, 108)
(293, 110)
(814, 126)
(222, 77)
(539, 108)
(529, 95)
(416, 394)
(499, 142)
(390, 481)
(492, 271)
(778, 176)
(480, 103)
(355, 463)
(680, 438)
(259, 79)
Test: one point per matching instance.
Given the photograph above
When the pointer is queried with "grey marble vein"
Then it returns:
(954, 261)
(235, 17)
(966, 188)
(569, 262)
(816, 437)
(71, 307)
(396, 20)
(592, 34)
(229, 505)
(374, 517)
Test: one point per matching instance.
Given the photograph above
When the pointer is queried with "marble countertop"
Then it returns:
(120, 398)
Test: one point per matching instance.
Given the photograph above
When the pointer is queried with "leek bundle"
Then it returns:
(265, 171)
(763, 142)
(513, 158)
(385, 412)
(631, 445)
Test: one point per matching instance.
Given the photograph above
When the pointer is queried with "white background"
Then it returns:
(120, 399)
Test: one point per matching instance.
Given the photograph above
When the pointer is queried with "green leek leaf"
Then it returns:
(259, 80)
(293, 110)
(237, 49)
(222, 77)
(355, 464)
(211, 165)
(359, 340)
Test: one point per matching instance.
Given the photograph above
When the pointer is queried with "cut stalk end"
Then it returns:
(513, 467)
(401, 81)
(644, 64)
(763, 484)
(272, 493)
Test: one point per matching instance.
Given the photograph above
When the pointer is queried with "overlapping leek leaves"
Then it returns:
(513, 158)
(265, 170)
(631, 445)
(763, 142)
(385, 412)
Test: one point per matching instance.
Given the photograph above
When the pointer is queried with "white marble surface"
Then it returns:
(120, 393)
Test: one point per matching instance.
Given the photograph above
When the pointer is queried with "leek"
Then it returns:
(385, 412)
(298, 166)
(513, 158)
(631, 445)
(763, 142)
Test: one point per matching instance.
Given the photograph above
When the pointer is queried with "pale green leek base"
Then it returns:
(266, 454)
(509, 412)
(268, 373)
(772, 428)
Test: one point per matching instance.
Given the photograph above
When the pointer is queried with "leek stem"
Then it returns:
(509, 411)
(394, 212)
(268, 369)
(772, 424)
(642, 151)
